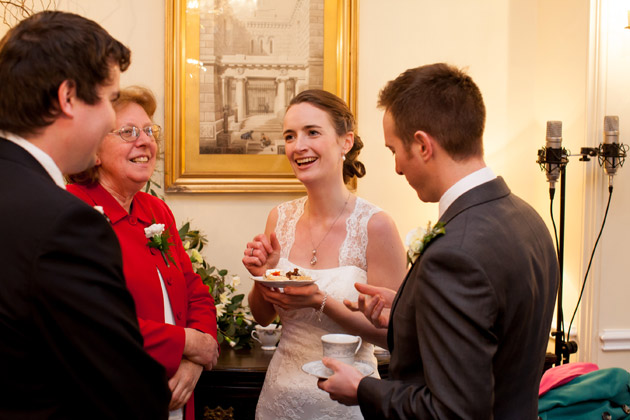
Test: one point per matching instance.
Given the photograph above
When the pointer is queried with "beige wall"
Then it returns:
(532, 63)
(607, 291)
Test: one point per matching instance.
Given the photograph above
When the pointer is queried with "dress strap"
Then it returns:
(353, 249)
(288, 215)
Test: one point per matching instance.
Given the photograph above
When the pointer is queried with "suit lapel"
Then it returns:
(390, 336)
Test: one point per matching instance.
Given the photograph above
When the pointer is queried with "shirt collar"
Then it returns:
(113, 209)
(42, 157)
(465, 184)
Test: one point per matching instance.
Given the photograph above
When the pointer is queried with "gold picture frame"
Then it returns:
(186, 169)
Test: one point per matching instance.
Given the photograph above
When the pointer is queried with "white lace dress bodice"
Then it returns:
(289, 392)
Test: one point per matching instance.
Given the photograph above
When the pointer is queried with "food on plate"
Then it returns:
(278, 275)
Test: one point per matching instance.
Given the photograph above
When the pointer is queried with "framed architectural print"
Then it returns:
(232, 66)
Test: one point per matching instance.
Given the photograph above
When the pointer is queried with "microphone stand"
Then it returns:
(563, 347)
(559, 333)
(547, 158)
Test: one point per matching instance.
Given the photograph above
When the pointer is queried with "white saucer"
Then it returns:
(281, 283)
(318, 369)
(268, 348)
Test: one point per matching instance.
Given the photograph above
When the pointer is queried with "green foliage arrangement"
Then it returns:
(234, 319)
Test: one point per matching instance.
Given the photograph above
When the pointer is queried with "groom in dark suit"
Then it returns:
(70, 346)
(468, 328)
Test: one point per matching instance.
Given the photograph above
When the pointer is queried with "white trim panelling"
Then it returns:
(613, 340)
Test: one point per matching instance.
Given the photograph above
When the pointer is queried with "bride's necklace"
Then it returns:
(315, 248)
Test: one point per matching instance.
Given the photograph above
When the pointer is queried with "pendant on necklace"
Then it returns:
(314, 259)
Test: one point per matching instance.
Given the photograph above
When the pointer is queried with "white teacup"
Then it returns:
(342, 347)
(267, 336)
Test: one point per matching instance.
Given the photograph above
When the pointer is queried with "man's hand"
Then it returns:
(343, 384)
(374, 302)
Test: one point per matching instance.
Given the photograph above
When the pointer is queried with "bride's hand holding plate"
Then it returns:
(295, 297)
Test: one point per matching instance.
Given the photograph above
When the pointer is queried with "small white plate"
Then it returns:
(318, 369)
(282, 283)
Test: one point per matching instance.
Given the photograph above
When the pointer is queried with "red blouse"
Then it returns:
(192, 304)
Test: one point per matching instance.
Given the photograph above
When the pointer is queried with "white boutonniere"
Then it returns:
(417, 239)
(159, 239)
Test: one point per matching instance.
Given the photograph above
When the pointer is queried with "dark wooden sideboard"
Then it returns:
(231, 389)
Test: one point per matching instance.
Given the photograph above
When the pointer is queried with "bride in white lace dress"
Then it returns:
(338, 239)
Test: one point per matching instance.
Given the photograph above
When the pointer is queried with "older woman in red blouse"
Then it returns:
(175, 312)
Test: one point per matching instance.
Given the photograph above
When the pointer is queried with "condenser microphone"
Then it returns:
(611, 153)
(553, 152)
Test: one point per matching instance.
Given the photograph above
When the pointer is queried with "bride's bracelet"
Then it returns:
(321, 308)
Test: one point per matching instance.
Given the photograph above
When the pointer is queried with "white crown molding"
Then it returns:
(593, 197)
(615, 340)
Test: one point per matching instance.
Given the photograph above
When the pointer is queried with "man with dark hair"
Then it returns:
(468, 329)
(71, 347)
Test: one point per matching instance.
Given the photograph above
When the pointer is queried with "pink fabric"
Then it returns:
(562, 374)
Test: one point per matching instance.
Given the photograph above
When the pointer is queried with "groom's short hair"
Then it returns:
(442, 101)
(43, 51)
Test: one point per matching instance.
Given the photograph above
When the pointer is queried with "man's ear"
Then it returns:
(67, 94)
(424, 144)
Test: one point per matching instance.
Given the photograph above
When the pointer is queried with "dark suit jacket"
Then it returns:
(70, 346)
(470, 325)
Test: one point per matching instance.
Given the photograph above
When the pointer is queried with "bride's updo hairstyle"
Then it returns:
(343, 121)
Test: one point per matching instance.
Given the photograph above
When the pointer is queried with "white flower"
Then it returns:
(187, 245)
(236, 280)
(196, 257)
(418, 238)
(413, 240)
(247, 316)
(223, 298)
(220, 309)
(155, 229)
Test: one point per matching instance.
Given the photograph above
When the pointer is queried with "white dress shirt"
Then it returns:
(465, 184)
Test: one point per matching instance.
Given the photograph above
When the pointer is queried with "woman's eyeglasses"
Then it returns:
(130, 133)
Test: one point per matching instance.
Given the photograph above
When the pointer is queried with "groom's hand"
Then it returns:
(343, 384)
(374, 302)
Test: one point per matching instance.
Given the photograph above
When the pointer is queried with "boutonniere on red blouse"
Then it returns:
(159, 238)
(417, 239)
